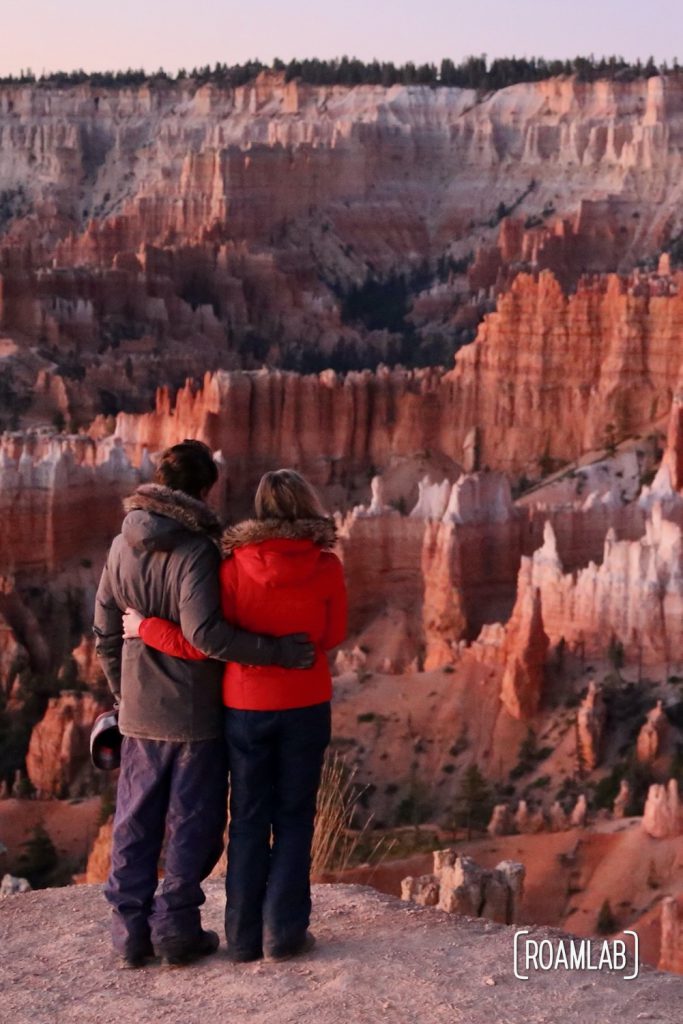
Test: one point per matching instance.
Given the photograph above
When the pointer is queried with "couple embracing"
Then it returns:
(218, 666)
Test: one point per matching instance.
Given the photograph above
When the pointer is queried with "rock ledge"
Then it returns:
(378, 960)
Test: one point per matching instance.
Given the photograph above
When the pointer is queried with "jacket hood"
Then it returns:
(158, 517)
(279, 552)
(321, 532)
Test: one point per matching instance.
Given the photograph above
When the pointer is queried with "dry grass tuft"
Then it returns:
(334, 842)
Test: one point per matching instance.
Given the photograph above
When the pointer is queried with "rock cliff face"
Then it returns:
(331, 426)
(525, 651)
(382, 561)
(149, 236)
(633, 597)
(164, 224)
(99, 859)
(513, 385)
(60, 498)
(590, 723)
(602, 362)
(13, 658)
(653, 738)
(244, 161)
(663, 814)
(458, 885)
(443, 611)
(671, 948)
(58, 760)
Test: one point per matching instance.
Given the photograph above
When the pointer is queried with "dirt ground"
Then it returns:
(377, 960)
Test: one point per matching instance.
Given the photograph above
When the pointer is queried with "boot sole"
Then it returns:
(185, 961)
(136, 964)
(244, 958)
(307, 946)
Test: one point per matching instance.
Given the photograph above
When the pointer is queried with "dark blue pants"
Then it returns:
(275, 764)
(177, 789)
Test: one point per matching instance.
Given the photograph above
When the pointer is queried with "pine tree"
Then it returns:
(474, 801)
(606, 922)
(39, 858)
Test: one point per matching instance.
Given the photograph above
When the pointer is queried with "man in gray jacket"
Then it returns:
(173, 777)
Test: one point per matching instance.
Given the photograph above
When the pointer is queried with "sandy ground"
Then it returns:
(377, 960)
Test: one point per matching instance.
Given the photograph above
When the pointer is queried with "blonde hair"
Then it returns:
(286, 494)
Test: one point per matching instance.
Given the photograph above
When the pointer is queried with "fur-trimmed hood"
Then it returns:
(321, 532)
(280, 552)
(157, 516)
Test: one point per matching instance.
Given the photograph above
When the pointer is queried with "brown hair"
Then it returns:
(286, 494)
(187, 467)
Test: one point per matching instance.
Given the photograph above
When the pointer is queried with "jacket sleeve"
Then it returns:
(202, 622)
(168, 637)
(337, 608)
(108, 630)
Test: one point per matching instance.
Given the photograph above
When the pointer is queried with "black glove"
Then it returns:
(294, 651)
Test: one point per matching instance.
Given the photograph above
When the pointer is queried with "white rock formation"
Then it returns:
(662, 816)
(11, 885)
(459, 885)
(621, 800)
(578, 815)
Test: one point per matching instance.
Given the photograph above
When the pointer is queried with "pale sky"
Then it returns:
(49, 35)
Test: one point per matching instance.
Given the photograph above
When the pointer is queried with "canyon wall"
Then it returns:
(634, 597)
(160, 247)
(513, 385)
(58, 759)
(174, 226)
(342, 429)
(60, 499)
(251, 162)
(603, 363)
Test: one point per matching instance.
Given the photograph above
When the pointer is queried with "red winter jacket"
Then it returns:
(278, 577)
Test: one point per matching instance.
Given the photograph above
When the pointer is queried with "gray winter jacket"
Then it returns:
(165, 562)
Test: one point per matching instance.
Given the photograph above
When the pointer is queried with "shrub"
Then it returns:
(338, 796)
(615, 654)
(606, 922)
(474, 801)
(415, 806)
(39, 860)
(639, 778)
(530, 754)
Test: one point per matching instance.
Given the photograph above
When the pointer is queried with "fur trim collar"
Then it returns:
(322, 532)
(191, 513)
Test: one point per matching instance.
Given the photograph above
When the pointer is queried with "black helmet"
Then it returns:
(105, 741)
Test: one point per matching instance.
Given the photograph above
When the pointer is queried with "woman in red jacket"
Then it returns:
(279, 576)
